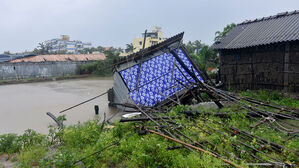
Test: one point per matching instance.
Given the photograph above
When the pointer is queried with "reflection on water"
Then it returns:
(24, 106)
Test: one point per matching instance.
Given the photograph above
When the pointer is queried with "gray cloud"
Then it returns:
(25, 23)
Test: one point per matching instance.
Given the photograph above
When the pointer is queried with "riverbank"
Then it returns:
(45, 79)
(97, 144)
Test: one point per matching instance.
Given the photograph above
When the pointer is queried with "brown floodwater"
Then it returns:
(24, 106)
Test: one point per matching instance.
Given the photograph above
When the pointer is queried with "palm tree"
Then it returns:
(44, 48)
(129, 48)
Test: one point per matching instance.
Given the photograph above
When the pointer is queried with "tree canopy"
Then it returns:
(193, 47)
(42, 49)
(129, 48)
(7, 52)
(220, 34)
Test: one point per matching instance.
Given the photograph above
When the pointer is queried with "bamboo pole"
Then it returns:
(196, 148)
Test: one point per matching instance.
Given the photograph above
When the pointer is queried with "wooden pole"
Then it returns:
(196, 148)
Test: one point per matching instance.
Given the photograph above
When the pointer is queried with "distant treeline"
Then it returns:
(100, 67)
(203, 55)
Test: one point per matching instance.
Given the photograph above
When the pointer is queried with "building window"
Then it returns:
(154, 42)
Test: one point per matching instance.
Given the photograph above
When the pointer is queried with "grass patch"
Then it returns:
(275, 97)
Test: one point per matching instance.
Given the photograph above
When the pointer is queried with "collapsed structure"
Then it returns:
(156, 75)
(164, 75)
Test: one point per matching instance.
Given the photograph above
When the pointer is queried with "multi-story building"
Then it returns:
(65, 45)
(152, 38)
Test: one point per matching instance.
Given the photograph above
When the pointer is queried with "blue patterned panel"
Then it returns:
(130, 76)
(155, 68)
(188, 64)
(158, 79)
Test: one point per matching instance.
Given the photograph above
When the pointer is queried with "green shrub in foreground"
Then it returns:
(9, 143)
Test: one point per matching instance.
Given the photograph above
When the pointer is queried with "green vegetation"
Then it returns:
(43, 49)
(276, 97)
(42, 79)
(7, 52)
(120, 145)
(129, 48)
(101, 67)
(101, 50)
(205, 59)
(204, 55)
(11, 143)
(220, 34)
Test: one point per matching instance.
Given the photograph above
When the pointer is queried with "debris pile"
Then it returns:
(155, 79)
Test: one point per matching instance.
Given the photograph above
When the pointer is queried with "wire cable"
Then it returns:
(83, 102)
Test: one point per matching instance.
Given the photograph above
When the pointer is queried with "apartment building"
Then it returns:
(65, 45)
(152, 38)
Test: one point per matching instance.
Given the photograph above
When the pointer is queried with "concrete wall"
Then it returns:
(273, 66)
(24, 70)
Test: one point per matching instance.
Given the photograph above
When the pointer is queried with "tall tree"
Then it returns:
(207, 57)
(220, 34)
(193, 47)
(42, 49)
(129, 48)
(7, 52)
(101, 49)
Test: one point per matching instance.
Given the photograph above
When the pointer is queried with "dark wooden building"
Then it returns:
(262, 54)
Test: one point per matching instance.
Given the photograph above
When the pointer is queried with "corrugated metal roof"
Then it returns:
(62, 57)
(273, 29)
(4, 58)
(7, 58)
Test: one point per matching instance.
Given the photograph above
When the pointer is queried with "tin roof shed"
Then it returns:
(267, 30)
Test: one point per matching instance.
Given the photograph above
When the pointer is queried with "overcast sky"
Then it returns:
(25, 23)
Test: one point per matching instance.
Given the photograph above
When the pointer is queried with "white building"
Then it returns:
(65, 45)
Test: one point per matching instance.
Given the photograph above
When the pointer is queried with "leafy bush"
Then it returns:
(9, 143)
(102, 67)
(81, 135)
(32, 156)
(31, 137)
(12, 143)
(63, 159)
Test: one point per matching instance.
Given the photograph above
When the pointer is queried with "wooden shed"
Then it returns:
(262, 54)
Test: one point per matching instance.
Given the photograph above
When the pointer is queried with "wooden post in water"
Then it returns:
(96, 109)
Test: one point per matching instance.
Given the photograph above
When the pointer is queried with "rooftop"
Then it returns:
(7, 58)
(62, 57)
(281, 27)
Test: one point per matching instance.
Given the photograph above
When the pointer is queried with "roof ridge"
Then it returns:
(278, 15)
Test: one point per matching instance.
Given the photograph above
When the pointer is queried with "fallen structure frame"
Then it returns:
(157, 75)
(164, 75)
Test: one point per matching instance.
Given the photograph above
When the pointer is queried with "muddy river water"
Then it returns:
(24, 106)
